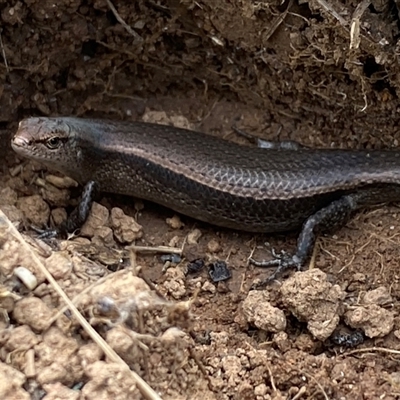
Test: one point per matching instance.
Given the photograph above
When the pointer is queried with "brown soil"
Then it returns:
(324, 73)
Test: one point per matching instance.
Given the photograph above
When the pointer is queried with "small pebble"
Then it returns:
(33, 312)
(8, 197)
(35, 209)
(98, 217)
(174, 241)
(103, 235)
(213, 246)
(359, 277)
(380, 296)
(194, 236)
(262, 314)
(61, 182)
(175, 222)
(208, 287)
(126, 229)
(13, 213)
(58, 216)
(26, 277)
(59, 265)
(282, 341)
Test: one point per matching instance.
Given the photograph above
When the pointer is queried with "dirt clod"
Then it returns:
(109, 381)
(97, 218)
(57, 391)
(35, 209)
(262, 314)
(8, 197)
(379, 296)
(59, 265)
(126, 229)
(213, 246)
(375, 321)
(311, 298)
(194, 236)
(175, 222)
(33, 312)
(11, 381)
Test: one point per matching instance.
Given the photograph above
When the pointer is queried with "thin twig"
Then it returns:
(157, 249)
(78, 298)
(329, 8)
(300, 393)
(278, 21)
(317, 383)
(4, 54)
(374, 349)
(271, 378)
(137, 37)
(355, 38)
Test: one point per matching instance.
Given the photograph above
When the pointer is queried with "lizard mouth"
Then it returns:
(18, 143)
(23, 146)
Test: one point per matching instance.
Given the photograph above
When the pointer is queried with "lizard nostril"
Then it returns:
(21, 141)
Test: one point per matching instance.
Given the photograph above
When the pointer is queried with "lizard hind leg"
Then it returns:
(332, 216)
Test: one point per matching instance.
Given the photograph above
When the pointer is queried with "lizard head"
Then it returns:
(50, 141)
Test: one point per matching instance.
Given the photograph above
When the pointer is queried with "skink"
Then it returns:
(213, 180)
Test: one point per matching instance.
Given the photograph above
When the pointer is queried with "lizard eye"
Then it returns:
(53, 143)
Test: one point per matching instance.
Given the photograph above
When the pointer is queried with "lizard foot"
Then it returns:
(282, 261)
(44, 234)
